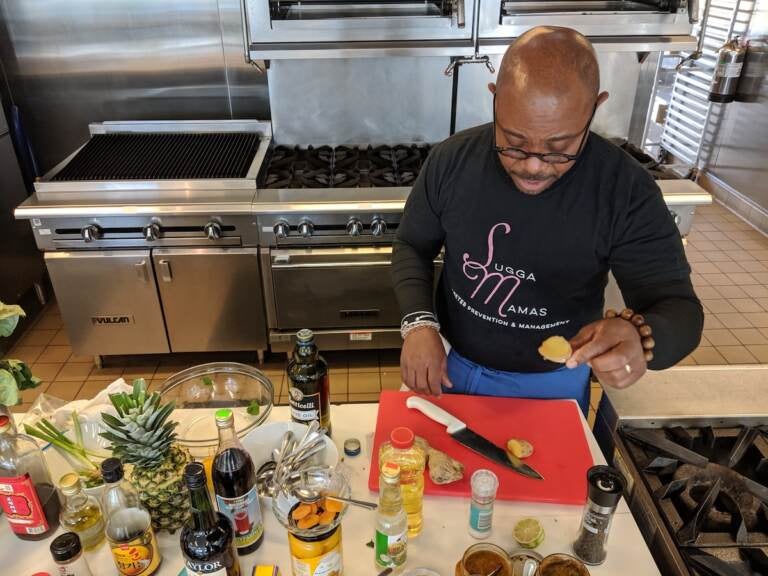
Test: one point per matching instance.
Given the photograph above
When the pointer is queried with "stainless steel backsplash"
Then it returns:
(71, 63)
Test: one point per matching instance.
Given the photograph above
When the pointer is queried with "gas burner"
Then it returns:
(381, 156)
(731, 562)
(321, 179)
(345, 157)
(708, 482)
(383, 177)
(283, 157)
(278, 179)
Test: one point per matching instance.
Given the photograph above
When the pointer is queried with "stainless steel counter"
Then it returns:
(693, 391)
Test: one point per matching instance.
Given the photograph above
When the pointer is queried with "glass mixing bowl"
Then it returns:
(208, 387)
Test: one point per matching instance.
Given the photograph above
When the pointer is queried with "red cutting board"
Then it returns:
(561, 453)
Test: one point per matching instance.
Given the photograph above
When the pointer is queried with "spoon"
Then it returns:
(308, 496)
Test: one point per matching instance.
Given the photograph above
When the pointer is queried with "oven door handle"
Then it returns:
(283, 263)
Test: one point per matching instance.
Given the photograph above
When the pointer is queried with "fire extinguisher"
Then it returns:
(730, 59)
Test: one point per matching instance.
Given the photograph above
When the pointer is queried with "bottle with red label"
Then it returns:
(27, 494)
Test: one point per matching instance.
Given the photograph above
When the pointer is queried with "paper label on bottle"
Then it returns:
(480, 519)
(21, 504)
(732, 70)
(197, 568)
(138, 557)
(245, 514)
(304, 407)
(391, 549)
(329, 564)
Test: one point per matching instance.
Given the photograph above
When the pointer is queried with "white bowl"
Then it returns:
(261, 441)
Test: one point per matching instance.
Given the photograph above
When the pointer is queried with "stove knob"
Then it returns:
(306, 228)
(378, 227)
(91, 233)
(354, 227)
(212, 230)
(151, 232)
(282, 229)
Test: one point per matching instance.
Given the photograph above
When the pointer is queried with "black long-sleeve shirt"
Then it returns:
(519, 268)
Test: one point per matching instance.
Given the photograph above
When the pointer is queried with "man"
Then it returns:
(533, 211)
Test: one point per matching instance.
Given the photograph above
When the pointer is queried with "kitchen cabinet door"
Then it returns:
(212, 298)
(108, 301)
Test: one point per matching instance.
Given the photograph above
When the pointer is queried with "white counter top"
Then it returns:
(439, 547)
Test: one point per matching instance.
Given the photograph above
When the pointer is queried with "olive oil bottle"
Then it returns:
(309, 393)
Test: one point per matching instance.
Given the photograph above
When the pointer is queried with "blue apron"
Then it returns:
(470, 378)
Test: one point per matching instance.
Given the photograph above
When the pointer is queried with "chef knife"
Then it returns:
(459, 431)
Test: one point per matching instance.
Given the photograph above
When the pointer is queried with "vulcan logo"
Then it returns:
(111, 320)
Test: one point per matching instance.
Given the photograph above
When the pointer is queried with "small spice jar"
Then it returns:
(67, 552)
(605, 486)
(484, 485)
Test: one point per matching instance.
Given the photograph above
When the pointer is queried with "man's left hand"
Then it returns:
(613, 350)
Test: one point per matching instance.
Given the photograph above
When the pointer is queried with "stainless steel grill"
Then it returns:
(162, 157)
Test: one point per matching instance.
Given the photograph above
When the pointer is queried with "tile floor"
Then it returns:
(729, 259)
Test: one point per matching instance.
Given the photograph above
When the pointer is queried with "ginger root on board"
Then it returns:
(442, 468)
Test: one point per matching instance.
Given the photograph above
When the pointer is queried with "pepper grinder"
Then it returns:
(605, 486)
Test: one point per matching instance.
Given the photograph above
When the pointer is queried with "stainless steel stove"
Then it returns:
(699, 491)
(327, 218)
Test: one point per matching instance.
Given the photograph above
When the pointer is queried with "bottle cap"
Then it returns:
(66, 547)
(70, 484)
(484, 484)
(305, 336)
(194, 475)
(351, 446)
(390, 470)
(224, 417)
(402, 437)
(112, 470)
(606, 485)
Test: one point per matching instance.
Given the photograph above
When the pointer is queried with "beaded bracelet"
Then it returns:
(638, 321)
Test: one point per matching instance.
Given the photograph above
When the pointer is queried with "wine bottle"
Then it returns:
(207, 538)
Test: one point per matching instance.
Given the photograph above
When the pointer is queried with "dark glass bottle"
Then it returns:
(27, 494)
(207, 538)
(234, 481)
(309, 394)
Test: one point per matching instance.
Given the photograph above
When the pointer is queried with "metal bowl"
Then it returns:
(208, 387)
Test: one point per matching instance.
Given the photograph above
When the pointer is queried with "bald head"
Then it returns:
(550, 60)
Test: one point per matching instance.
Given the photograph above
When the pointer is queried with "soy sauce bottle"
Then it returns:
(27, 494)
(234, 482)
(309, 394)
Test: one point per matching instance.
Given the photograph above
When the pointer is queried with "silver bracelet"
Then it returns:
(408, 328)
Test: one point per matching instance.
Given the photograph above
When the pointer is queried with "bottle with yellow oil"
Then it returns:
(402, 450)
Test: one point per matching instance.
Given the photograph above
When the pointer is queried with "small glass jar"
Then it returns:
(484, 558)
(316, 555)
(67, 552)
(484, 485)
(605, 486)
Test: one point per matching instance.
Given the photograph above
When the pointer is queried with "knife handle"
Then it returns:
(451, 423)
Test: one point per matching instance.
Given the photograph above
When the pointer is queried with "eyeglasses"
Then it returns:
(548, 157)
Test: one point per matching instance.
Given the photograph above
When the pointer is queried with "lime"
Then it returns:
(529, 533)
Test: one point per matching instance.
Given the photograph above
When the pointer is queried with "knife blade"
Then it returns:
(459, 431)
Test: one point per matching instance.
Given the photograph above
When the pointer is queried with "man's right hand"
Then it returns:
(423, 364)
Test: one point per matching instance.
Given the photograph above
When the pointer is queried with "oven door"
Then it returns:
(341, 21)
(510, 18)
(332, 288)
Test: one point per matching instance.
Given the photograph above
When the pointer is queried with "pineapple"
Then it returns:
(142, 437)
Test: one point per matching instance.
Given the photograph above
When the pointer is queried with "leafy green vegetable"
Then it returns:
(21, 373)
(79, 454)
(9, 318)
(9, 391)
(207, 381)
(253, 408)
